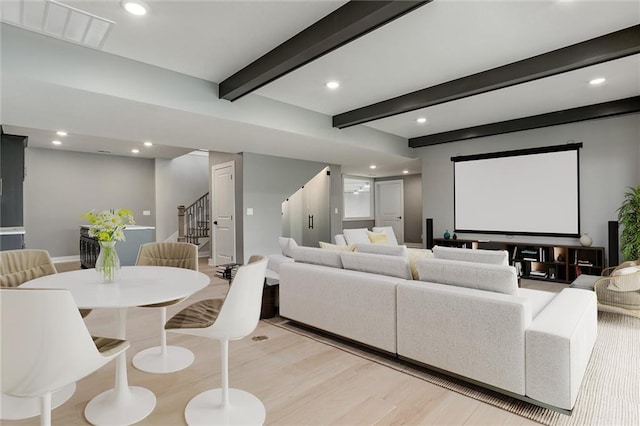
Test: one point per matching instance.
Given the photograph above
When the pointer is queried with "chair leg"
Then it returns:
(45, 410)
(224, 358)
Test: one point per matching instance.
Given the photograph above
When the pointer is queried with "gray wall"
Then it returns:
(412, 196)
(609, 162)
(179, 181)
(61, 185)
(267, 182)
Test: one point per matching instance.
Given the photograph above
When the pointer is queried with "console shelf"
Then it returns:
(547, 262)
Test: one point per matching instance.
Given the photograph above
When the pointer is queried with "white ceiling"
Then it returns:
(210, 40)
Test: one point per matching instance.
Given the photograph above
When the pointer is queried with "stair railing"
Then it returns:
(193, 221)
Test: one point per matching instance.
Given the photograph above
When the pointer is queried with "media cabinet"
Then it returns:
(548, 262)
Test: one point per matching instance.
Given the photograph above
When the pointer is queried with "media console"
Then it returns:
(548, 262)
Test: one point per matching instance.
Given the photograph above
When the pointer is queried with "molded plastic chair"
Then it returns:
(17, 267)
(230, 319)
(45, 345)
(163, 358)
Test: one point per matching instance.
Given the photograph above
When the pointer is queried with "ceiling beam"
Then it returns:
(345, 24)
(611, 46)
(589, 112)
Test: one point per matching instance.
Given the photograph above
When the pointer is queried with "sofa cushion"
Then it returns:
(287, 244)
(494, 257)
(382, 249)
(356, 236)
(275, 260)
(481, 276)
(317, 256)
(339, 238)
(391, 236)
(393, 266)
(337, 247)
(377, 237)
(415, 254)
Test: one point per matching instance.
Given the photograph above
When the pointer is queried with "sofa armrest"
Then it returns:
(559, 343)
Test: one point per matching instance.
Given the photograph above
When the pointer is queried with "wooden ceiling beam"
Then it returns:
(345, 24)
(589, 112)
(608, 47)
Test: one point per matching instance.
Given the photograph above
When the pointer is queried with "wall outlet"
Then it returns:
(146, 212)
(249, 211)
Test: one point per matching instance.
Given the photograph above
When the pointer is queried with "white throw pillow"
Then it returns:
(391, 236)
(356, 236)
(382, 249)
(392, 266)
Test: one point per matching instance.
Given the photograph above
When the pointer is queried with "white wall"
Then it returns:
(179, 181)
(609, 162)
(267, 182)
(62, 185)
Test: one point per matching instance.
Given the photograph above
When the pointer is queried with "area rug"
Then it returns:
(610, 392)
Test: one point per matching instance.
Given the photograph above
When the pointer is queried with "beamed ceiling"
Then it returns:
(250, 76)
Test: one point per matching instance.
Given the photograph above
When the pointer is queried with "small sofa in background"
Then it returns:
(463, 315)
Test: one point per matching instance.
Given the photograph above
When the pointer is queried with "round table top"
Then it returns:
(134, 286)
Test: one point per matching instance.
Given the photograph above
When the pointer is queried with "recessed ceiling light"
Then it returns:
(333, 85)
(135, 150)
(135, 7)
(147, 143)
(406, 172)
(61, 133)
(373, 166)
(56, 142)
(421, 120)
(597, 81)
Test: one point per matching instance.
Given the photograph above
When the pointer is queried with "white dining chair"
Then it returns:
(231, 318)
(16, 268)
(165, 358)
(45, 345)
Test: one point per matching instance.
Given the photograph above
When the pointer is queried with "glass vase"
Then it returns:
(107, 263)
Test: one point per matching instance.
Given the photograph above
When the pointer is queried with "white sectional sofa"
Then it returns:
(465, 316)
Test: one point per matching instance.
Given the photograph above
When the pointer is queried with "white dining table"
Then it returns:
(134, 286)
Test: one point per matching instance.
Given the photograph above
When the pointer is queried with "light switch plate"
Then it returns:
(146, 212)
(249, 211)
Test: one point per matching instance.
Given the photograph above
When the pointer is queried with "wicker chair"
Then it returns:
(618, 289)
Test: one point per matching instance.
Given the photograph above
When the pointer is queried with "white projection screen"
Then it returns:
(524, 192)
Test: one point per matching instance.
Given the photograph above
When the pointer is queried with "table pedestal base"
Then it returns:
(21, 408)
(243, 409)
(130, 406)
(152, 360)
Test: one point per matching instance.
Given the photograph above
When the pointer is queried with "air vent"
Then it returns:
(57, 20)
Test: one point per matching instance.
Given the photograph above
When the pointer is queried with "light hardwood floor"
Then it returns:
(300, 381)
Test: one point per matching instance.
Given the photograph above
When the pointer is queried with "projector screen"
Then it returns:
(525, 192)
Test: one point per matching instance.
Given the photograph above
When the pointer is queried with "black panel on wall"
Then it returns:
(613, 243)
(429, 233)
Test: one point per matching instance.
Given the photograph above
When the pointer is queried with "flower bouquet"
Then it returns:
(108, 228)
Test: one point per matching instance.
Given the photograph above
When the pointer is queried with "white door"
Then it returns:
(389, 202)
(223, 211)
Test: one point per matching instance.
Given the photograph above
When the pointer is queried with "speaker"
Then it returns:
(613, 243)
(429, 233)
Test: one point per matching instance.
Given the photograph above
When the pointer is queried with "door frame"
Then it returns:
(214, 248)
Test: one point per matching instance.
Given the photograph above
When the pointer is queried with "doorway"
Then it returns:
(389, 206)
(223, 211)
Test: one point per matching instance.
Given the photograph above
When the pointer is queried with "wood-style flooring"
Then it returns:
(300, 381)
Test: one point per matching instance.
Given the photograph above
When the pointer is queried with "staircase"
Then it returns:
(193, 221)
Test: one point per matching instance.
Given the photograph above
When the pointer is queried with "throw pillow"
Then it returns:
(625, 279)
(391, 236)
(377, 237)
(355, 236)
(336, 247)
(414, 255)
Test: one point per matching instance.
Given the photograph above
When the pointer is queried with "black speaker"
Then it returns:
(613, 243)
(429, 233)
